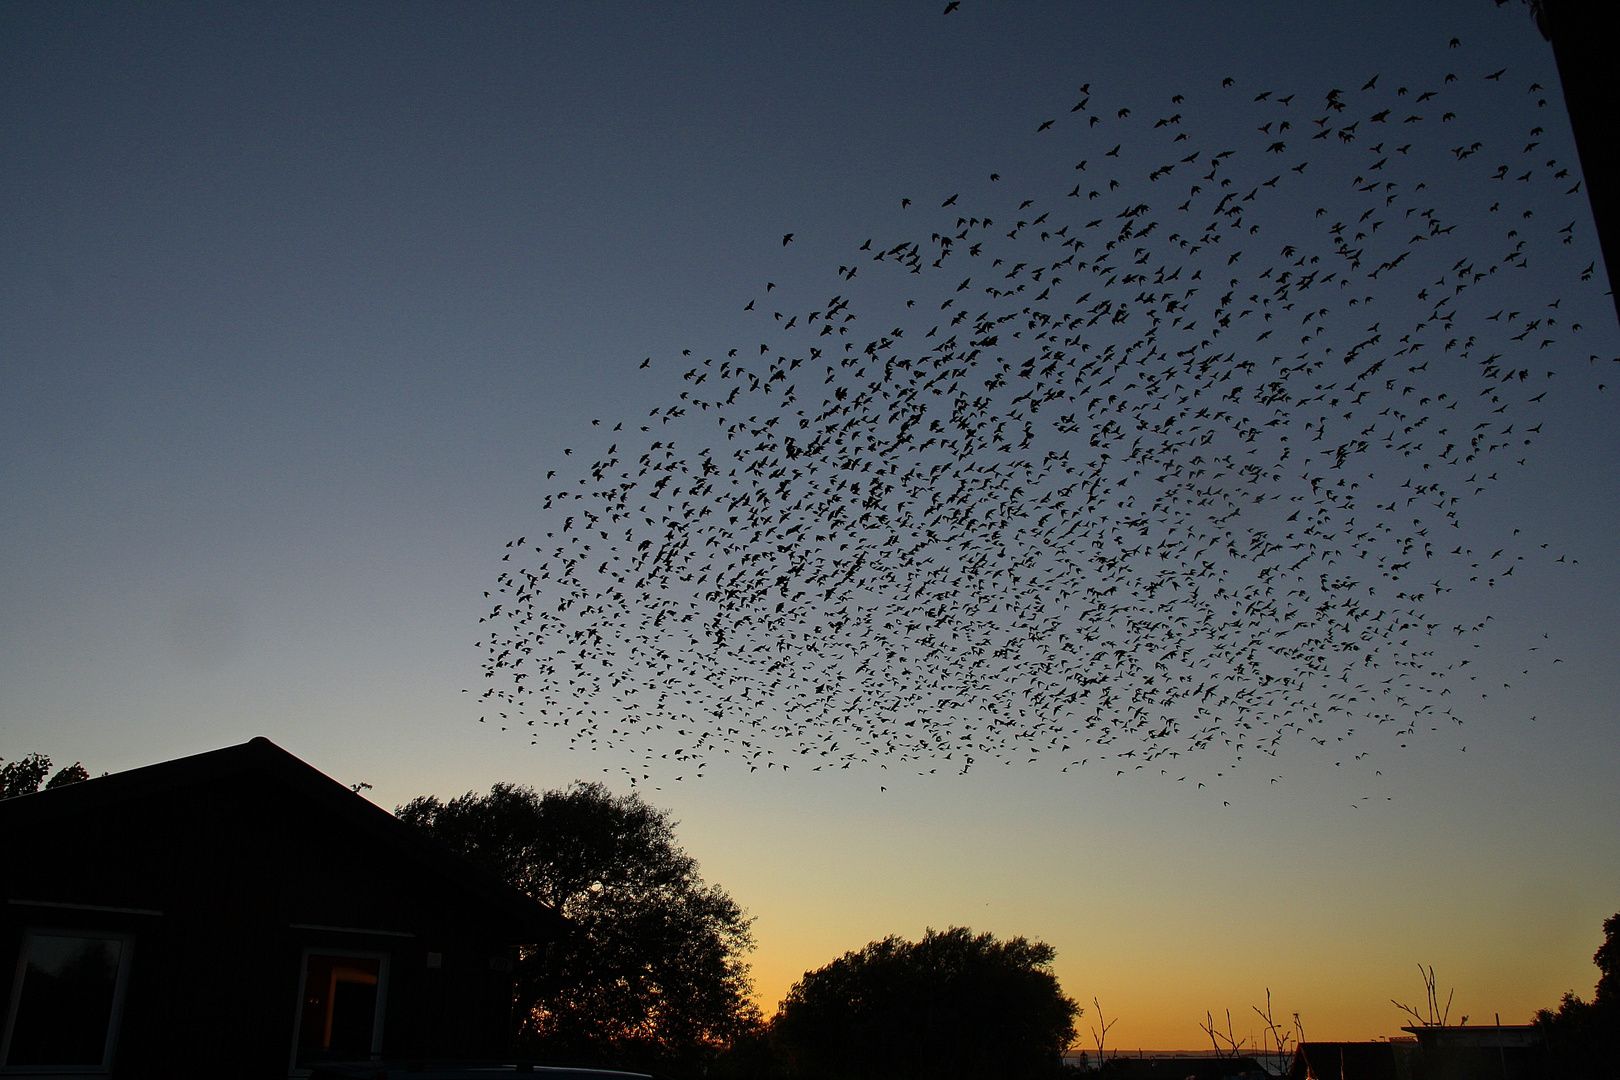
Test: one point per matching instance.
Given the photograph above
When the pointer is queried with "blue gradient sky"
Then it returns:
(299, 303)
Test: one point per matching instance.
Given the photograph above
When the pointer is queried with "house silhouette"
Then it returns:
(240, 913)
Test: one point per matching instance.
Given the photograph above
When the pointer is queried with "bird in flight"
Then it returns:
(1160, 473)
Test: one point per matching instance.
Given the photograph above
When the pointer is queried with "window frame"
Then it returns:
(377, 1018)
(114, 1020)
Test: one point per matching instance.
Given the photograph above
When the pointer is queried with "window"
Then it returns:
(65, 1001)
(340, 1008)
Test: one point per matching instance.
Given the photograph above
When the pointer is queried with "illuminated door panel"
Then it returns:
(340, 1015)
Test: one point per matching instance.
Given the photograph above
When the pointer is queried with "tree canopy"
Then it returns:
(1583, 1037)
(24, 776)
(650, 971)
(954, 1006)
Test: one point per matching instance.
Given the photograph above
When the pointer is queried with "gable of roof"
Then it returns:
(262, 758)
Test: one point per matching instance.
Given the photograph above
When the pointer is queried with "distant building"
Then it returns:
(1346, 1061)
(1477, 1037)
(240, 914)
(1478, 1052)
(1483, 1052)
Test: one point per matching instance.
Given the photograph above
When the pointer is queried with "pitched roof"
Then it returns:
(1344, 1061)
(261, 757)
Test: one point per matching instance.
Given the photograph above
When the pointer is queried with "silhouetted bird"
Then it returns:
(1146, 485)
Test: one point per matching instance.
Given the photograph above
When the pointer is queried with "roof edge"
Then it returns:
(261, 756)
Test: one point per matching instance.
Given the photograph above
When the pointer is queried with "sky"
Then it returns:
(300, 303)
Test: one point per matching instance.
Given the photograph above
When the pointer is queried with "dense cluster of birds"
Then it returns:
(1169, 462)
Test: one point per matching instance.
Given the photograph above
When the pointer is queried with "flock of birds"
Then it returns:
(1167, 464)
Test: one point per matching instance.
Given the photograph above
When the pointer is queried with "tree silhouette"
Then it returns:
(650, 971)
(24, 777)
(1583, 1037)
(1099, 1033)
(953, 1006)
(1434, 1014)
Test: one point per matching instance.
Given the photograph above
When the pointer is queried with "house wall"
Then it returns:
(241, 874)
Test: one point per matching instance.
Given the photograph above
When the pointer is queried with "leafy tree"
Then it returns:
(953, 1006)
(650, 971)
(25, 776)
(1583, 1037)
(1607, 959)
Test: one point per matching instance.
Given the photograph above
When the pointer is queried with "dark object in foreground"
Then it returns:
(1180, 1068)
(1583, 1037)
(371, 1070)
(1583, 38)
(239, 906)
(649, 973)
(955, 1004)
